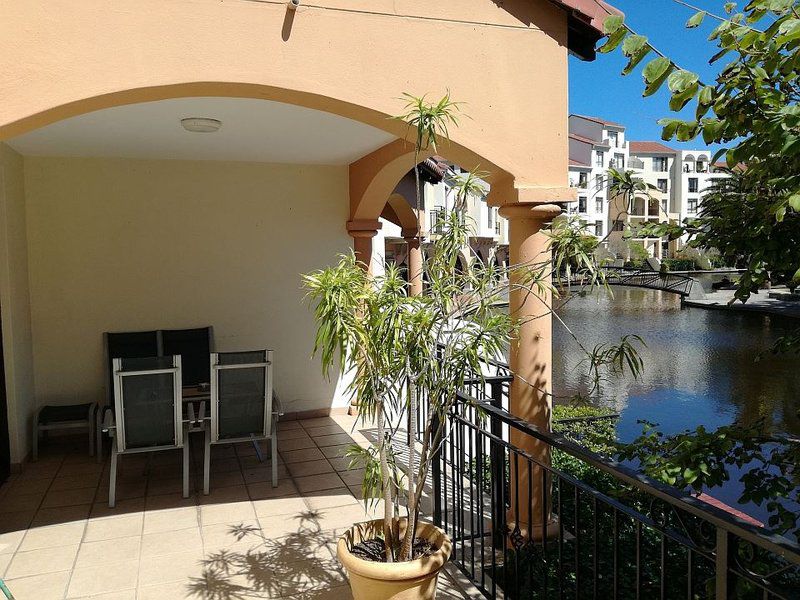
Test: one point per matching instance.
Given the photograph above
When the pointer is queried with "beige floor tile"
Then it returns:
(30, 486)
(20, 502)
(283, 525)
(52, 536)
(325, 430)
(296, 444)
(16, 521)
(39, 587)
(226, 512)
(329, 498)
(156, 521)
(342, 464)
(103, 579)
(113, 528)
(286, 425)
(5, 560)
(171, 542)
(341, 517)
(259, 474)
(354, 477)
(225, 494)
(170, 567)
(131, 506)
(315, 483)
(337, 451)
(336, 439)
(73, 497)
(40, 470)
(226, 479)
(252, 462)
(39, 562)
(259, 491)
(9, 542)
(75, 482)
(291, 434)
(88, 469)
(317, 422)
(223, 465)
(124, 595)
(303, 455)
(176, 590)
(64, 514)
(224, 535)
(311, 467)
(285, 505)
(169, 501)
(108, 551)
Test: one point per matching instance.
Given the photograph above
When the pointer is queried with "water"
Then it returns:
(699, 365)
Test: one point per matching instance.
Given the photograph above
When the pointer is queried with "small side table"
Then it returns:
(72, 416)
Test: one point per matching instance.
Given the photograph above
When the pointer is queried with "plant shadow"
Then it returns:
(301, 563)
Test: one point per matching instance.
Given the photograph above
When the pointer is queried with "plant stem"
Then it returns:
(388, 533)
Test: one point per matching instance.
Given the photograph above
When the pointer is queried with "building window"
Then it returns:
(618, 226)
(613, 137)
(660, 164)
(598, 182)
(582, 204)
(490, 217)
(619, 161)
(662, 186)
(701, 166)
(664, 206)
(583, 180)
(692, 207)
(600, 158)
(692, 185)
(598, 228)
(598, 205)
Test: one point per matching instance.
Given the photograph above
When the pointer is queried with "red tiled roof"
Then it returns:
(580, 138)
(585, 24)
(599, 120)
(650, 148)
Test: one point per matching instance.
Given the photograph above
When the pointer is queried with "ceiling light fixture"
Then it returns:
(201, 124)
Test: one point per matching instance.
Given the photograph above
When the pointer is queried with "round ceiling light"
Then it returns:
(201, 124)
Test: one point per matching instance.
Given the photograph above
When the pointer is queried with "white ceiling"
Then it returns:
(252, 130)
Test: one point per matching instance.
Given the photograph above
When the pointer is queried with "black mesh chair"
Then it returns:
(129, 344)
(148, 412)
(243, 406)
(194, 347)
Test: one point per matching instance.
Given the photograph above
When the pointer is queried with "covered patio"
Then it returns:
(246, 539)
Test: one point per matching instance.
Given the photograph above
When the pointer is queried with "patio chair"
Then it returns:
(148, 412)
(194, 346)
(73, 416)
(243, 406)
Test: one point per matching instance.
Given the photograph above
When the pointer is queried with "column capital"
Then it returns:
(530, 210)
(363, 228)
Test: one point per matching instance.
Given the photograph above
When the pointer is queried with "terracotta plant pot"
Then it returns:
(411, 580)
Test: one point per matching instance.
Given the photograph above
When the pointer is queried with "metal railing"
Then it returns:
(655, 280)
(581, 525)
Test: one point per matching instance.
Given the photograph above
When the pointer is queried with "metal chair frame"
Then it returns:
(271, 414)
(87, 423)
(114, 424)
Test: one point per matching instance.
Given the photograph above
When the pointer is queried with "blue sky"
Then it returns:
(598, 89)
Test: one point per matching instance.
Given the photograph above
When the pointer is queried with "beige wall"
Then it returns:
(351, 57)
(118, 244)
(14, 302)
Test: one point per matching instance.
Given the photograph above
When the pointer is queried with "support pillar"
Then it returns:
(531, 362)
(414, 262)
(362, 233)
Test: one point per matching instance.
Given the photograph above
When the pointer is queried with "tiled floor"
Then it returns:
(59, 540)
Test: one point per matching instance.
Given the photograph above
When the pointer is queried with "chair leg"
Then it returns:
(98, 434)
(91, 427)
(207, 462)
(185, 462)
(112, 480)
(274, 458)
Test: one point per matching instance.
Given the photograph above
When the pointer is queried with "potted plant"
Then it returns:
(398, 351)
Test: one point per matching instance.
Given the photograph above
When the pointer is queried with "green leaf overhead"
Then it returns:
(696, 19)
(613, 23)
(656, 69)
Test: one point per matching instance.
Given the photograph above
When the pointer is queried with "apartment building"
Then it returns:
(595, 145)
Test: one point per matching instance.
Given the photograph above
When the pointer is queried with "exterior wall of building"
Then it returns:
(351, 58)
(690, 167)
(15, 302)
(125, 245)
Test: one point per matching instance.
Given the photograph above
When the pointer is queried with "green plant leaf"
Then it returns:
(794, 202)
(696, 19)
(706, 97)
(613, 23)
(613, 41)
(656, 69)
(681, 80)
(656, 84)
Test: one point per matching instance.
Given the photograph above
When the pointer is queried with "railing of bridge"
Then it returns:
(590, 527)
(657, 280)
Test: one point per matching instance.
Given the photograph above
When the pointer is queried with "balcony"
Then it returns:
(636, 163)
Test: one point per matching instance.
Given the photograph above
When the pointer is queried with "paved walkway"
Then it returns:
(759, 303)
(59, 540)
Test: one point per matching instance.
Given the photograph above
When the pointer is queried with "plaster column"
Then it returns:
(362, 233)
(531, 362)
(414, 262)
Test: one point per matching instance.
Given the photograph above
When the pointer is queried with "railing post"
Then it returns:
(722, 568)
(498, 464)
(436, 469)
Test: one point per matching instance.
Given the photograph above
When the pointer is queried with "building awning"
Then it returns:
(585, 24)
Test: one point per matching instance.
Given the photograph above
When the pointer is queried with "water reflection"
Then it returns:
(699, 364)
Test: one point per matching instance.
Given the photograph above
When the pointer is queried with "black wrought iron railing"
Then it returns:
(656, 280)
(533, 514)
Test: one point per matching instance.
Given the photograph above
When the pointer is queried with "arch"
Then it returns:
(406, 217)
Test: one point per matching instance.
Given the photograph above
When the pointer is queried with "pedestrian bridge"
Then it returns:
(683, 285)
